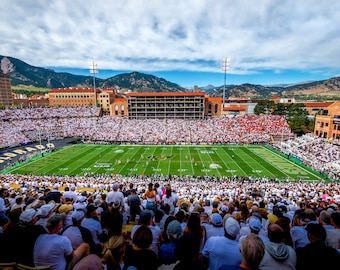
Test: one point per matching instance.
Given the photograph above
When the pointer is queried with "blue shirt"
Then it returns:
(221, 250)
(167, 253)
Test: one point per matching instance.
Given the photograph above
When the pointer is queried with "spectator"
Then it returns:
(333, 235)
(217, 227)
(187, 252)
(308, 257)
(113, 252)
(146, 219)
(134, 203)
(252, 250)
(169, 199)
(255, 226)
(4, 206)
(150, 197)
(70, 193)
(325, 219)
(43, 213)
(21, 238)
(54, 195)
(195, 228)
(298, 233)
(167, 251)
(205, 221)
(79, 234)
(285, 225)
(223, 250)
(164, 239)
(112, 219)
(55, 250)
(277, 255)
(13, 216)
(93, 225)
(140, 253)
(116, 196)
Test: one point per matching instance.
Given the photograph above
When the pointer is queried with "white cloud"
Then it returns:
(165, 35)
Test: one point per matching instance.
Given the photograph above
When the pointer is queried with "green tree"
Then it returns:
(297, 117)
(295, 113)
(280, 109)
(264, 107)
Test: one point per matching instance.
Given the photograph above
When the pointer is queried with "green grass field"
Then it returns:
(230, 160)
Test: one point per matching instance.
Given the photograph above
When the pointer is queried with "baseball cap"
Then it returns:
(224, 208)
(216, 219)
(174, 228)
(91, 207)
(44, 210)
(115, 186)
(28, 215)
(54, 221)
(81, 198)
(232, 227)
(254, 224)
(77, 215)
(145, 216)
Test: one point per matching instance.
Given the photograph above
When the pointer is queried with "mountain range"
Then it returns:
(24, 74)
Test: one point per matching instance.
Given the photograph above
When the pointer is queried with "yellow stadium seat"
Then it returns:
(8, 266)
(26, 267)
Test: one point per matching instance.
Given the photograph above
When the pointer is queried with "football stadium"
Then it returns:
(105, 184)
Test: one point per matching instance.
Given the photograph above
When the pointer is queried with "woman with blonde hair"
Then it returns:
(113, 252)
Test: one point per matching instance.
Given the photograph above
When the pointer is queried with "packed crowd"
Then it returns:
(317, 153)
(10, 114)
(21, 126)
(174, 223)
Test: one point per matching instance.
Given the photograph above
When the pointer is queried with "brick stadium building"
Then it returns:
(327, 124)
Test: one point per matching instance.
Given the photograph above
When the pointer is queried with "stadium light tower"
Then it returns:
(94, 70)
(225, 67)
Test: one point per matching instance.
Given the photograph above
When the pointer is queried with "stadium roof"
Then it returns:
(73, 90)
(165, 94)
(317, 104)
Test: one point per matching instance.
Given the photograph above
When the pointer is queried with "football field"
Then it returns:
(180, 160)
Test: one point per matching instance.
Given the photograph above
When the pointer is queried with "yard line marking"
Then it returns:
(264, 168)
(234, 162)
(221, 158)
(190, 160)
(300, 167)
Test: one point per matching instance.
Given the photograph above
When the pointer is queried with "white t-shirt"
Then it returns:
(73, 233)
(52, 249)
(94, 226)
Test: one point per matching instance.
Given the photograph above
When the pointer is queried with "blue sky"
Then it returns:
(268, 41)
